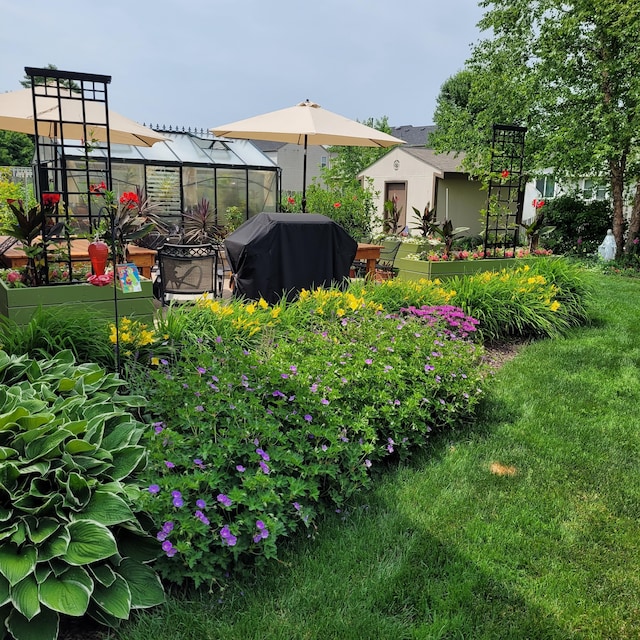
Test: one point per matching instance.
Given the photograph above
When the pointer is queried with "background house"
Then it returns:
(418, 177)
(289, 157)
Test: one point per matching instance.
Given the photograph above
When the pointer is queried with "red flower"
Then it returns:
(291, 200)
(537, 204)
(49, 199)
(336, 205)
(129, 199)
(98, 189)
(505, 173)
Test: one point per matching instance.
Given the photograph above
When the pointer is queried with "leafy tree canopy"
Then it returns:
(348, 162)
(16, 149)
(567, 70)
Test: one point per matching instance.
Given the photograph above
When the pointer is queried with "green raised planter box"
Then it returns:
(19, 304)
(418, 269)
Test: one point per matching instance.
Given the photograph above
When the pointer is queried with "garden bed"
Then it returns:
(430, 270)
(19, 304)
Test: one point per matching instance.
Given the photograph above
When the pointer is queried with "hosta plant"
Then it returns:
(70, 540)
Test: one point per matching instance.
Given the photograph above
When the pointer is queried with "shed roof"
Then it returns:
(445, 162)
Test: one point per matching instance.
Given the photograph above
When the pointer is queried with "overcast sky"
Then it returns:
(204, 63)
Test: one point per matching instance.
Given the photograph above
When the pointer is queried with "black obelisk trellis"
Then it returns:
(505, 196)
(82, 108)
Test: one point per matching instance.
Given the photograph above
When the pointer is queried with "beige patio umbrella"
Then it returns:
(16, 114)
(306, 123)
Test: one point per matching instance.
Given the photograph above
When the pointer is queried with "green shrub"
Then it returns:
(71, 542)
(251, 443)
(51, 330)
(579, 226)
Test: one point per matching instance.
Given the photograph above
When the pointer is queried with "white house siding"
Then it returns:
(427, 183)
(399, 166)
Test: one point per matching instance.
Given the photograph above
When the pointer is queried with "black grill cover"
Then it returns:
(281, 253)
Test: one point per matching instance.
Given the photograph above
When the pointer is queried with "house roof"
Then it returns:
(413, 136)
(445, 162)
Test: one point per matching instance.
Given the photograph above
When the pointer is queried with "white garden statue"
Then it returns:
(607, 249)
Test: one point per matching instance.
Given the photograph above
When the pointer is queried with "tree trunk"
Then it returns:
(616, 172)
(634, 223)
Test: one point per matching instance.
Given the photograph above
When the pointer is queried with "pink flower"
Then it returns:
(14, 276)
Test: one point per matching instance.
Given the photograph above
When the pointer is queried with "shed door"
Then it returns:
(398, 191)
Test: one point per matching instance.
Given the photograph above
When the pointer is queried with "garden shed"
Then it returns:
(179, 173)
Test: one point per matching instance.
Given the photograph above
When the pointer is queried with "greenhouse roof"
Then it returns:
(188, 148)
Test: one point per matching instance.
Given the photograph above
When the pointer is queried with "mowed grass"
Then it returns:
(525, 526)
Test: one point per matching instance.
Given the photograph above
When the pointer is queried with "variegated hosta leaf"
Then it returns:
(43, 627)
(5, 591)
(39, 529)
(78, 492)
(47, 445)
(126, 461)
(68, 593)
(89, 542)
(24, 597)
(146, 588)
(102, 573)
(16, 563)
(106, 508)
(55, 546)
(114, 599)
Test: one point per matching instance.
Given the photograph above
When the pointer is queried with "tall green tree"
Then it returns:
(16, 149)
(39, 80)
(348, 162)
(567, 70)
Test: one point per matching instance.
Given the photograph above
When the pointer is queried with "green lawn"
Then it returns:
(444, 548)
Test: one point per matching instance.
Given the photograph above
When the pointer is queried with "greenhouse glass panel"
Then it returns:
(262, 191)
(232, 190)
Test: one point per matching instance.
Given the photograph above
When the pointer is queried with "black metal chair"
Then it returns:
(187, 271)
(5, 245)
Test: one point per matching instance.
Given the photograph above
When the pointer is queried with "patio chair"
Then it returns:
(385, 268)
(6, 244)
(187, 271)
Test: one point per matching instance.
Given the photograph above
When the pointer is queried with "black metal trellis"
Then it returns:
(505, 196)
(68, 109)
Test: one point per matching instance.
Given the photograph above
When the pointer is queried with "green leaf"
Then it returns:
(55, 546)
(89, 542)
(34, 421)
(69, 593)
(5, 591)
(16, 563)
(44, 446)
(114, 599)
(103, 574)
(9, 419)
(39, 529)
(146, 588)
(106, 508)
(5, 513)
(126, 460)
(140, 548)
(43, 627)
(78, 493)
(7, 452)
(24, 596)
(78, 445)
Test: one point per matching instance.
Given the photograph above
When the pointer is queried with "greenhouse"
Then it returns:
(190, 169)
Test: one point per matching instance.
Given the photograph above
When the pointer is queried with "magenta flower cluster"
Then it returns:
(460, 325)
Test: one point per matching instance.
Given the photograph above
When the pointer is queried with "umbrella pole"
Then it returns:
(304, 177)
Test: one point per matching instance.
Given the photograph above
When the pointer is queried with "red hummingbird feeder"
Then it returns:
(98, 254)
